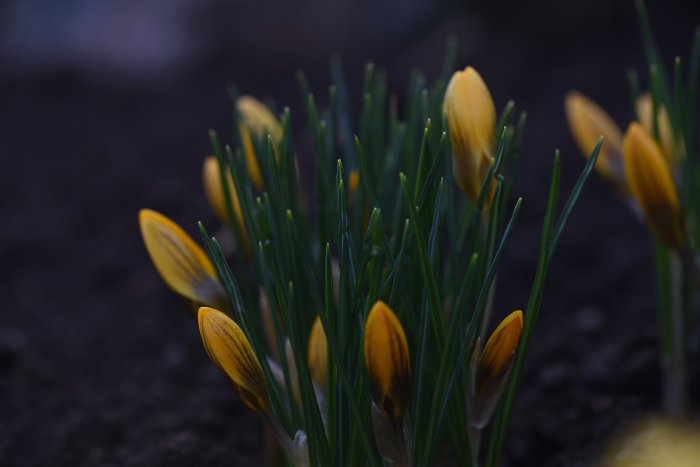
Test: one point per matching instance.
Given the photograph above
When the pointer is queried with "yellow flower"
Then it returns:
(651, 183)
(317, 355)
(588, 122)
(491, 368)
(257, 122)
(229, 349)
(182, 264)
(387, 361)
(471, 117)
(666, 138)
(216, 195)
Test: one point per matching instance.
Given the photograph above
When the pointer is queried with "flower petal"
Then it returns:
(182, 264)
(493, 367)
(651, 183)
(317, 356)
(471, 117)
(387, 361)
(588, 121)
(229, 349)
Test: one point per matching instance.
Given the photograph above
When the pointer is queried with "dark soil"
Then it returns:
(101, 365)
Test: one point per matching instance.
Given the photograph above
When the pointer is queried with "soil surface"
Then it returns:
(101, 365)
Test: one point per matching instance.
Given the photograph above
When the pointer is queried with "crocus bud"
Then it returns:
(317, 356)
(257, 121)
(663, 121)
(491, 367)
(471, 118)
(387, 361)
(214, 190)
(651, 183)
(588, 122)
(181, 263)
(229, 349)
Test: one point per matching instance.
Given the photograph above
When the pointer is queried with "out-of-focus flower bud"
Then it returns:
(588, 122)
(257, 122)
(651, 183)
(673, 152)
(214, 190)
(317, 356)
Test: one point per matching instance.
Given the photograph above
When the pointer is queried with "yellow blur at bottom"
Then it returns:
(656, 442)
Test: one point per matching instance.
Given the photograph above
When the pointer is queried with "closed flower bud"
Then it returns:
(229, 349)
(471, 118)
(215, 193)
(317, 356)
(257, 121)
(588, 122)
(491, 367)
(387, 361)
(651, 183)
(182, 264)
(663, 122)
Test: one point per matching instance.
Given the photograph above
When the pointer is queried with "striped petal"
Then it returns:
(387, 361)
(491, 368)
(229, 349)
(182, 264)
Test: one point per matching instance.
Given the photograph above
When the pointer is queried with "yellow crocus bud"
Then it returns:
(182, 264)
(229, 349)
(387, 361)
(317, 355)
(257, 121)
(471, 118)
(216, 195)
(663, 121)
(588, 121)
(651, 183)
(491, 368)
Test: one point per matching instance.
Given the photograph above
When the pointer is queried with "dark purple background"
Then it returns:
(104, 109)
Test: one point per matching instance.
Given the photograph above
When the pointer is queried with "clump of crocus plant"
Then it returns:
(654, 168)
(355, 333)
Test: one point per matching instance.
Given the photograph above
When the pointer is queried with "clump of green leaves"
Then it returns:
(352, 313)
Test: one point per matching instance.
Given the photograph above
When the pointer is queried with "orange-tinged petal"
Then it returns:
(215, 193)
(588, 121)
(257, 121)
(182, 264)
(471, 118)
(651, 183)
(317, 356)
(387, 361)
(492, 368)
(666, 138)
(229, 349)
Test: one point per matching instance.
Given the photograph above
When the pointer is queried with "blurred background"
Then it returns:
(104, 109)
